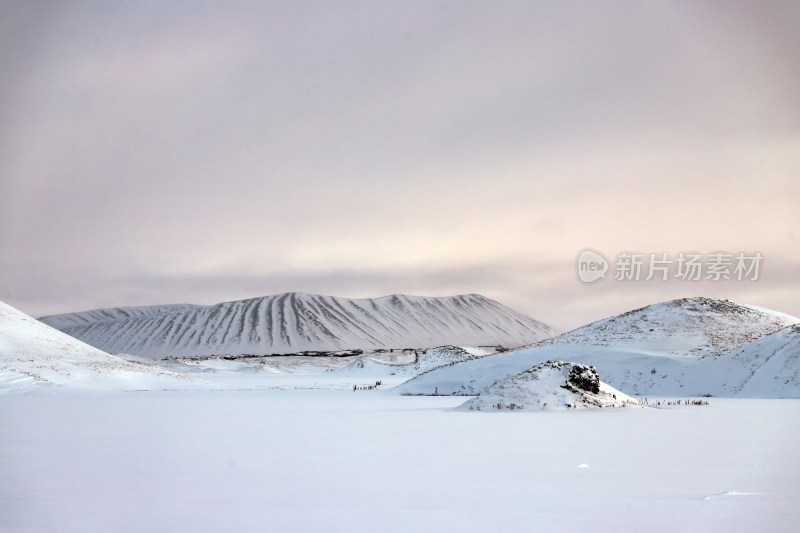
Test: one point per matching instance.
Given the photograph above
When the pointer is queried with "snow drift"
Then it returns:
(297, 322)
(550, 385)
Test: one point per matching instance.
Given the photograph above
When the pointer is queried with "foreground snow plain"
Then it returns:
(337, 460)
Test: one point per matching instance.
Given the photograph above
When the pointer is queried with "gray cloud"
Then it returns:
(201, 152)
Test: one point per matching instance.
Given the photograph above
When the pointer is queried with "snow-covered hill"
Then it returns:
(436, 358)
(430, 359)
(297, 322)
(688, 326)
(32, 353)
(550, 385)
(636, 352)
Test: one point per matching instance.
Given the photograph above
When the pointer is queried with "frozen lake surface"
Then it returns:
(333, 460)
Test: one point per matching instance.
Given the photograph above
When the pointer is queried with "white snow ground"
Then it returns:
(374, 461)
(297, 322)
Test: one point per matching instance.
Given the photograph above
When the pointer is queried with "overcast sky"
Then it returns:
(208, 151)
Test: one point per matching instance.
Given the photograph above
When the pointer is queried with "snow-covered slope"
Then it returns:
(32, 353)
(767, 367)
(436, 358)
(688, 326)
(626, 353)
(550, 385)
(430, 359)
(297, 322)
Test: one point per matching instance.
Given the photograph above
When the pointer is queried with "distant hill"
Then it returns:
(687, 326)
(298, 322)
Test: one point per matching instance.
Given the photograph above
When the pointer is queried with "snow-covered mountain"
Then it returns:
(688, 326)
(298, 322)
(684, 352)
(550, 385)
(32, 353)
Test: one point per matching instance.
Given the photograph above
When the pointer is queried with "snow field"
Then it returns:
(376, 461)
